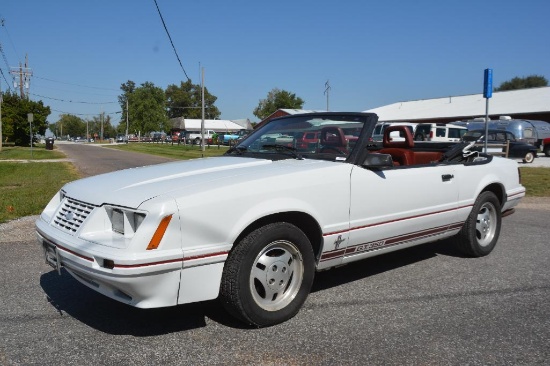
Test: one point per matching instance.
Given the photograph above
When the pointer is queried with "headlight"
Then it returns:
(124, 221)
(117, 221)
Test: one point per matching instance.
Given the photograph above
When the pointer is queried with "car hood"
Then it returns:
(131, 187)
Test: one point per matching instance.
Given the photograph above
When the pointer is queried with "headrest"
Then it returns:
(404, 132)
(333, 136)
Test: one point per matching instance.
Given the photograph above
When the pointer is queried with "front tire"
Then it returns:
(529, 157)
(481, 230)
(268, 275)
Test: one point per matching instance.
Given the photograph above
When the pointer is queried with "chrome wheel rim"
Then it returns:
(486, 224)
(276, 275)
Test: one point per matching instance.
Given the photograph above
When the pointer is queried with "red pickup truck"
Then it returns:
(545, 147)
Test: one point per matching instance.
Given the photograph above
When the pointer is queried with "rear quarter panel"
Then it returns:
(474, 179)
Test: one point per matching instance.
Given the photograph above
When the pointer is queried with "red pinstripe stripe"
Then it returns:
(185, 259)
(73, 252)
(396, 220)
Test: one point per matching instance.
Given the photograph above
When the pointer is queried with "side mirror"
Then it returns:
(377, 161)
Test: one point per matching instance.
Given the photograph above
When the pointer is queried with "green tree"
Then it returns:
(15, 123)
(147, 112)
(68, 125)
(185, 100)
(277, 99)
(109, 131)
(97, 123)
(532, 81)
(127, 88)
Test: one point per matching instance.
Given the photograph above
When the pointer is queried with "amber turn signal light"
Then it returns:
(159, 233)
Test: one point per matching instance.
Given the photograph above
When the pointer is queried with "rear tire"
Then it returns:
(529, 157)
(547, 150)
(268, 275)
(481, 230)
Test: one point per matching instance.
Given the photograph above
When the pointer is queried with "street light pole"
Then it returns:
(126, 119)
(202, 120)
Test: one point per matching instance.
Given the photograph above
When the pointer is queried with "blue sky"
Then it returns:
(373, 53)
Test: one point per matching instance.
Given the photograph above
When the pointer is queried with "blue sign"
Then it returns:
(488, 83)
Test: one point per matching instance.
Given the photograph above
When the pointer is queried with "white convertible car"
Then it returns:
(302, 193)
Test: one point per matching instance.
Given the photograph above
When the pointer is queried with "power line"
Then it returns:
(4, 56)
(84, 114)
(170, 38)
(83, 86)
(4, 76)
(71, 101)
(3, 23)
(49, 88)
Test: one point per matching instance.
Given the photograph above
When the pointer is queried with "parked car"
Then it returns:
(228, 138)
(253, 226)
(530, 131)
(439, 132)
(516, 149)
(121, 138)
(545, 146)
(307, 140)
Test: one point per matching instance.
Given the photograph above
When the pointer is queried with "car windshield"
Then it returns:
(313, 137)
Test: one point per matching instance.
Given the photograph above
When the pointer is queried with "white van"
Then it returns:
(439, 132)
(378, 134)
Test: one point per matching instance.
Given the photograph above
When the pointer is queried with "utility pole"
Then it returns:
(30, 118)
(126, 120)
(24, 77)
(327, 88)
(202, 106)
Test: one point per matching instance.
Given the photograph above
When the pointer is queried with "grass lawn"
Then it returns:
(183, 152)
(537, 181)
(39, 152)
(26, 188)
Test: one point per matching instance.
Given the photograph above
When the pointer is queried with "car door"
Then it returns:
(399, 207)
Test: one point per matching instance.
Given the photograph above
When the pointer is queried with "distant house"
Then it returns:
(531, 104)
(218, 125)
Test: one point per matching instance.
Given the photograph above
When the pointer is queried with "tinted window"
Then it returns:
(456, 133)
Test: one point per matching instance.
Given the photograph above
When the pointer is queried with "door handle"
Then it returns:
(447, 177)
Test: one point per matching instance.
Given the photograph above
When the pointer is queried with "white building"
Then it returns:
(531, 104)
(217, 125)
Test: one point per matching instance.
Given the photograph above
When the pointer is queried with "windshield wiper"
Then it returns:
(236, 149)
(283, 148)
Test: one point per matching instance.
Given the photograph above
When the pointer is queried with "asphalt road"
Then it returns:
(91, 159)
(426, 305)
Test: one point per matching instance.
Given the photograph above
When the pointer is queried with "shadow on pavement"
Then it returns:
(69, 297)
(383, 263)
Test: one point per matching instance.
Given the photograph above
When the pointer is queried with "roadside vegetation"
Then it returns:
(537, 181)
(175, 151)
(26, 188)
(24, 153)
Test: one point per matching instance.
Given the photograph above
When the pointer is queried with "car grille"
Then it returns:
(72, 214)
